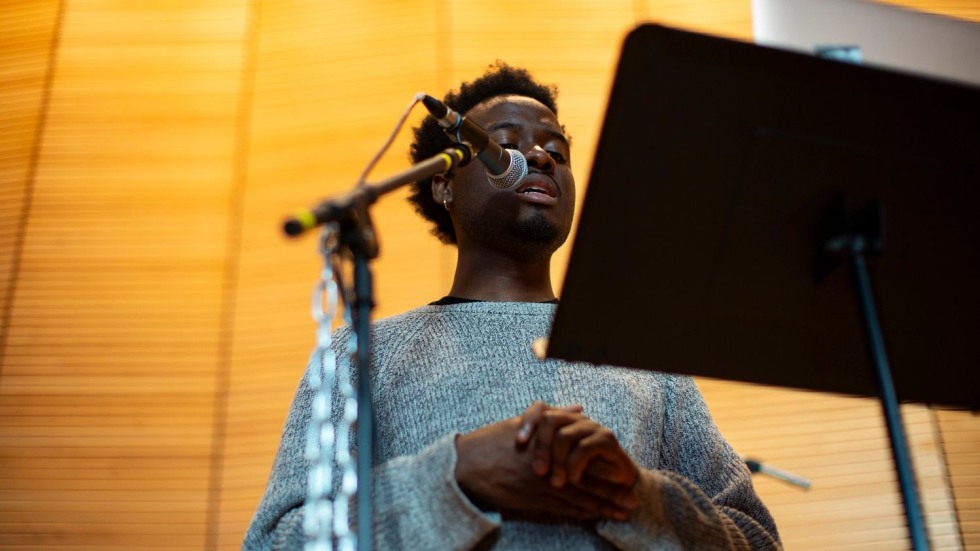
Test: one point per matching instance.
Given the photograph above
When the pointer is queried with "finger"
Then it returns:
(550, 422)
(623, 497)
(582, 509)
(565, 440)
(601, 469)
(533, 414)
(602, 444)
(584, 504)
(528, 422)
(594, 505)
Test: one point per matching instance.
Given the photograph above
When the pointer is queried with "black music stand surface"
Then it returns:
(723, 171)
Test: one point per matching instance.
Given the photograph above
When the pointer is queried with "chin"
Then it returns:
(540, 230)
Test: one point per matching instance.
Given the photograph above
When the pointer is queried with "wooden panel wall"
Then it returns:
(156, 322)
(840, 444)
(111, 357)
(959, 433)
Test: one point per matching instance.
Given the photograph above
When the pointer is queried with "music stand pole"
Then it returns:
(857, 248)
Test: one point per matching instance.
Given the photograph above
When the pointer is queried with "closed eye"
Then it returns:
(558, 157)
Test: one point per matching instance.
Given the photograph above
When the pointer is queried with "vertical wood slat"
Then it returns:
(27, 48)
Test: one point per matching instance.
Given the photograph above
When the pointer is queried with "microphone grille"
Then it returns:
(515, 173)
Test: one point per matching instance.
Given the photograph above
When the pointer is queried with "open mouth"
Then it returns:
(539, 191)
(539, 186)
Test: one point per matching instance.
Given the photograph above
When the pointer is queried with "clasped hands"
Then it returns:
(548, 460)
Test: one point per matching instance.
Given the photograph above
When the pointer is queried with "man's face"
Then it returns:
(536, 216)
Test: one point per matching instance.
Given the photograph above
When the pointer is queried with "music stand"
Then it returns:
(725, 177)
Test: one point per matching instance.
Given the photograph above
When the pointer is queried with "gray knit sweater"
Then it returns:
(444, 370)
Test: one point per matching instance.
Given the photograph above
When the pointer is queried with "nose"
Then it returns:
(538, 158)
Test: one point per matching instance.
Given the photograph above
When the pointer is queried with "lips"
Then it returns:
(538, 189)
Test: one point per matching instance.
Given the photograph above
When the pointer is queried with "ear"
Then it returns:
(442, 189)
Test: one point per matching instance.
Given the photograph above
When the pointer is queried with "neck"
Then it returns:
(493, 276)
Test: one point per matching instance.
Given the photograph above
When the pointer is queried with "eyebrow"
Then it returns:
(511, 125)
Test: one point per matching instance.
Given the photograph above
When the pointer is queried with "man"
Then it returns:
(479, 444)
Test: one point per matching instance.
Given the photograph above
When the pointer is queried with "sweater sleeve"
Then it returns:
(701, 497)
(417, 502)
(419, 505)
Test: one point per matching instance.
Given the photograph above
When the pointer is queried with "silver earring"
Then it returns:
(445, 202)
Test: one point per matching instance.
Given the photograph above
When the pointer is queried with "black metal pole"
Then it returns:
(889, 399)
(363, 302)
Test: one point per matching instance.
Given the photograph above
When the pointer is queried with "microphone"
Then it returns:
(505, 167)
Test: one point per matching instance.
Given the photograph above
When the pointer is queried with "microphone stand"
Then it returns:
(357, 239)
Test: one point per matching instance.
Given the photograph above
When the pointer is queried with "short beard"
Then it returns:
(532, 236)
(538, 230)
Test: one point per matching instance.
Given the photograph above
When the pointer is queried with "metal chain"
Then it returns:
(328, 444)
